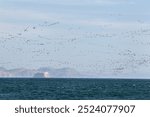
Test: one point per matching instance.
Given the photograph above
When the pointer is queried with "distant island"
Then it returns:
(43, 72)
(41, 75)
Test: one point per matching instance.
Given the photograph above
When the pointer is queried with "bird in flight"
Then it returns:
(26, 29)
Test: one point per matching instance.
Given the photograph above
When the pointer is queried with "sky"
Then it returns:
(100, 37)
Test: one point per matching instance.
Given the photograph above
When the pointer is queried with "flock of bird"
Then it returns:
(123, 60)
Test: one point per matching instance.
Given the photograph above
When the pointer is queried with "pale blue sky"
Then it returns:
(103, 37)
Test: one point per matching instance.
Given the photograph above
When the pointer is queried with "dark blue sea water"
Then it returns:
(72, 89)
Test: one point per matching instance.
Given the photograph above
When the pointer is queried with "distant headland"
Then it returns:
(43, 72)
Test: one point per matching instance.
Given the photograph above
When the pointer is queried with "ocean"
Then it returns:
(73, 89)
